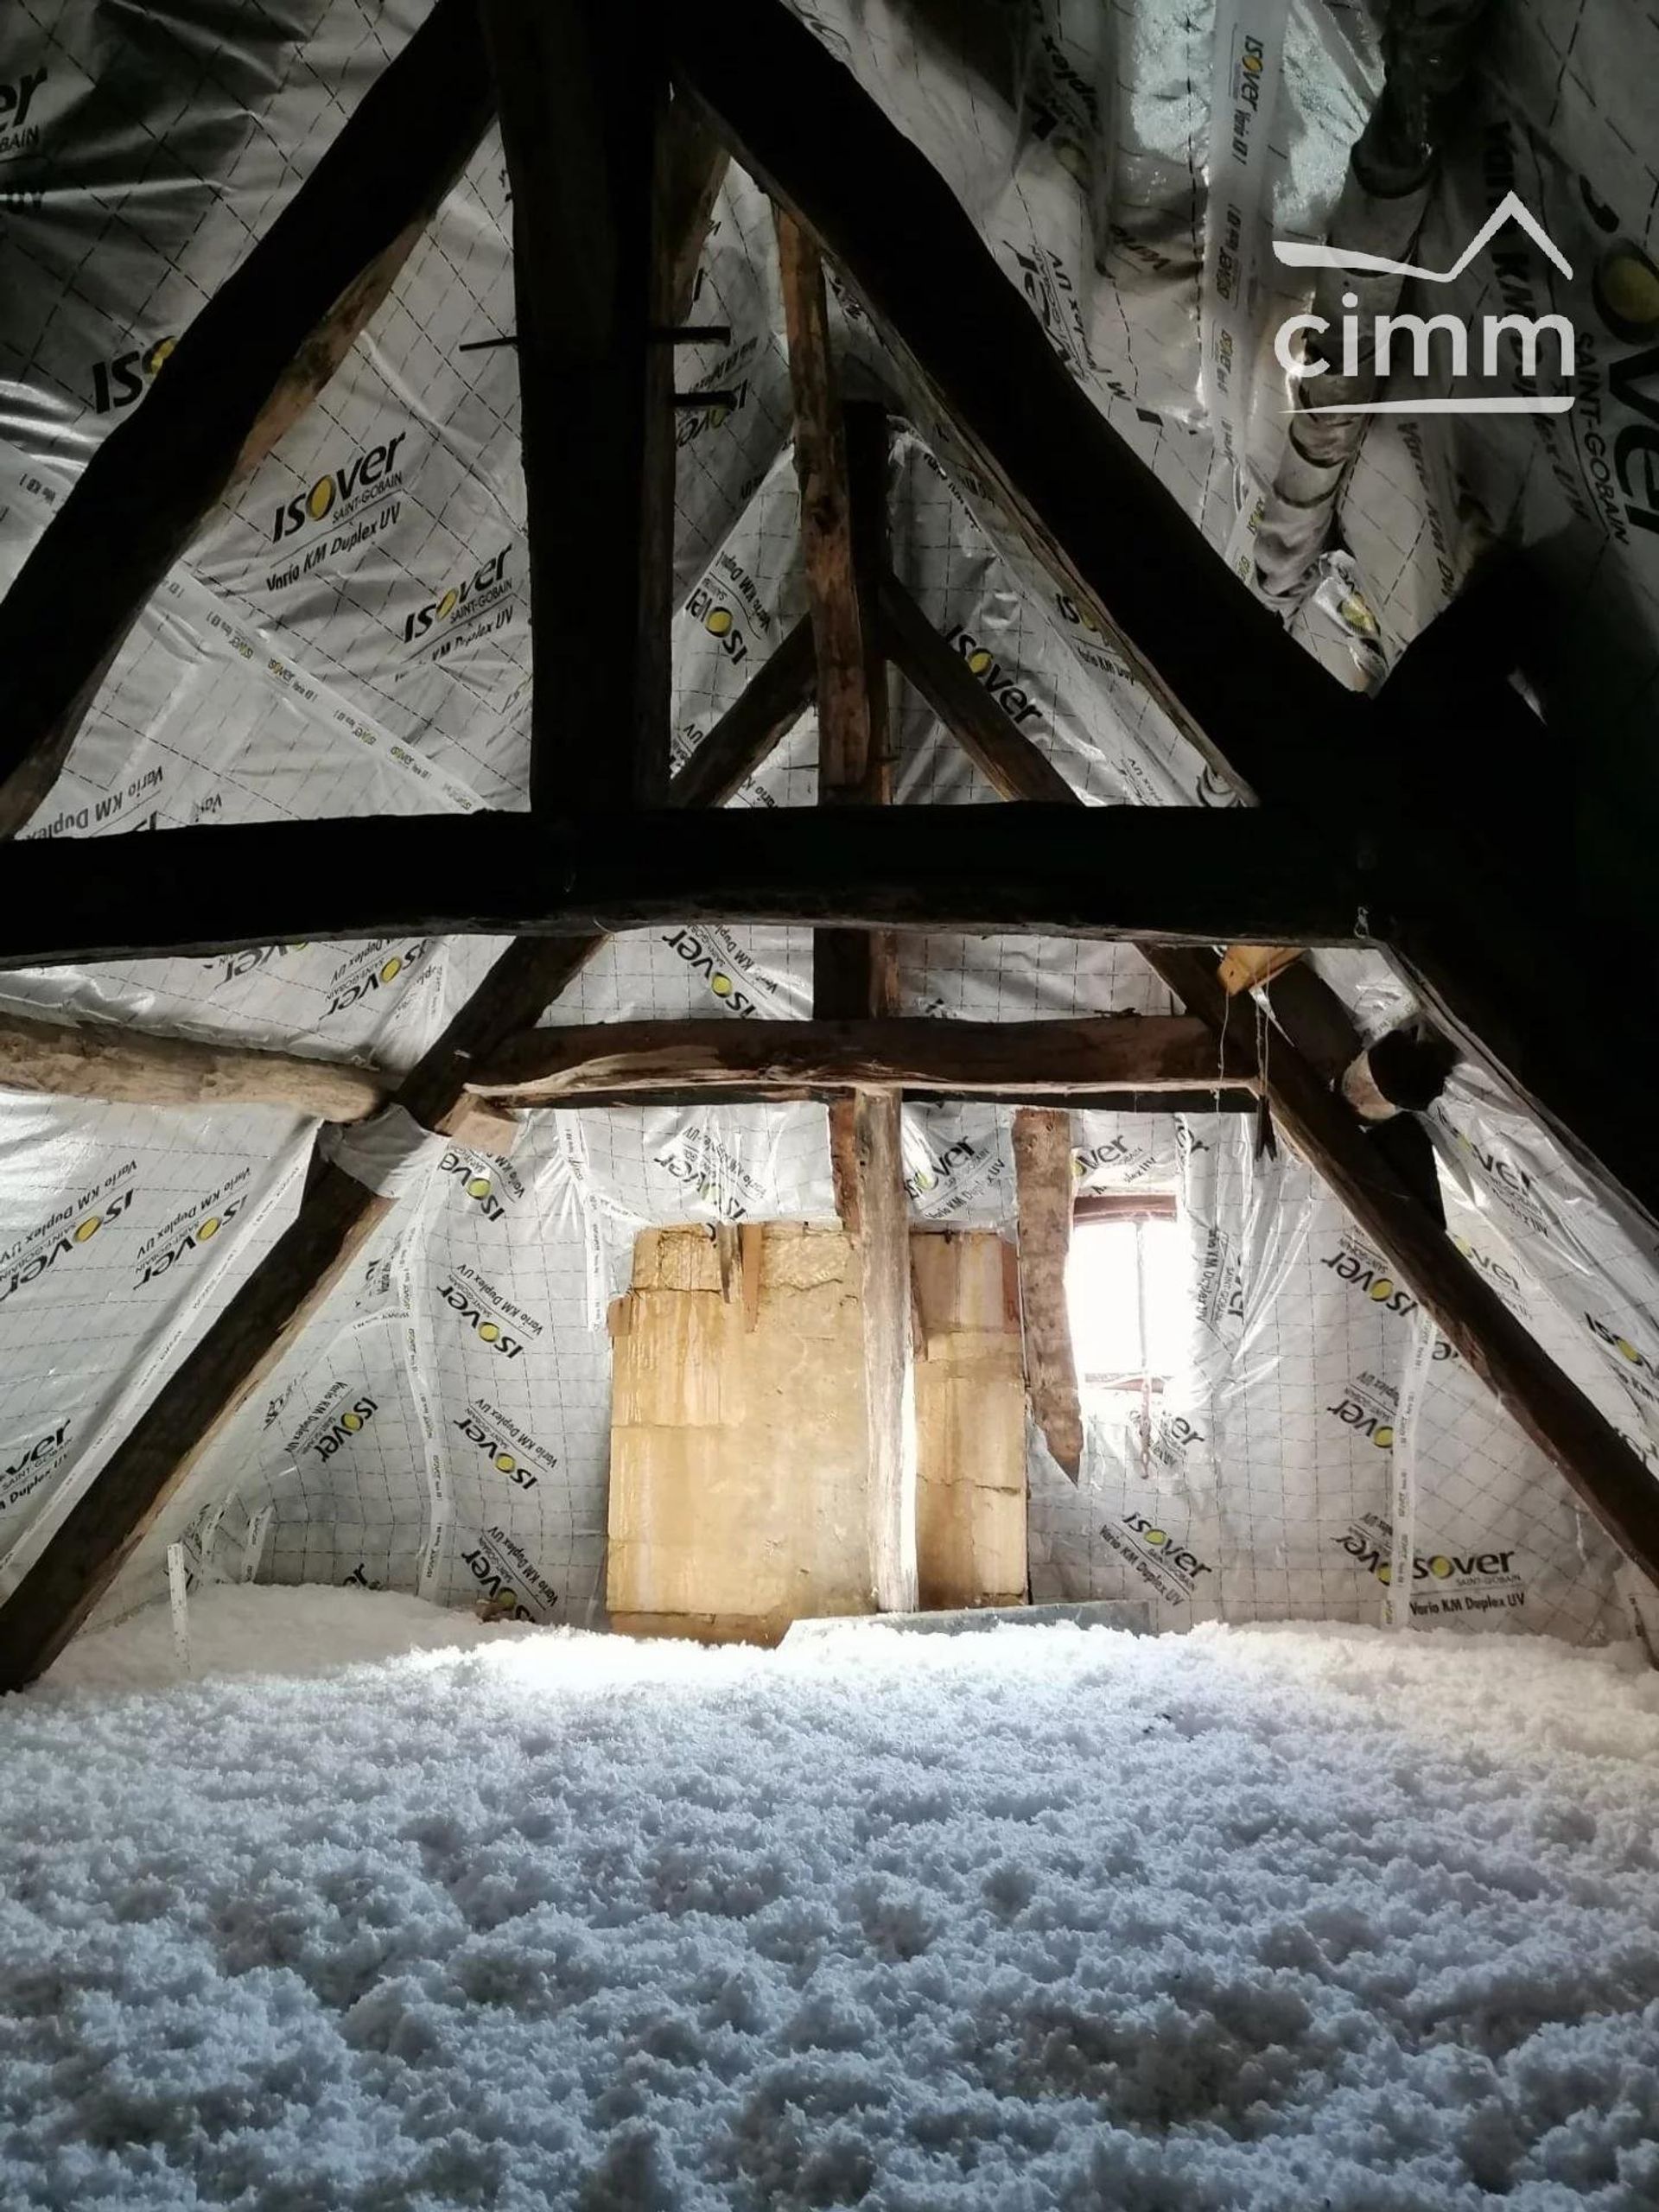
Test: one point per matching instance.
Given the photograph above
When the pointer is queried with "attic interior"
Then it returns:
(938, 1490)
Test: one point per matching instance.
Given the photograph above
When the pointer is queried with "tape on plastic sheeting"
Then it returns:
(390, 1154)
(1248, 57)
(1402, 1503)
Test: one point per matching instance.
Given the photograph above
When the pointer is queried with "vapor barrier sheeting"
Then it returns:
(349, 636)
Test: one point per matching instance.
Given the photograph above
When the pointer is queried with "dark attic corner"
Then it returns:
(830, 1232)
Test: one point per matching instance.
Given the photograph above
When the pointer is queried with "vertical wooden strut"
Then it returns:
(1042, 1168)
(610, 182)
(842, 463)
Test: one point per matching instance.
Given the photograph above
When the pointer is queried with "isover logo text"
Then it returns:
(479, 1318)
(484, 588)
(337, 487)
(701, 960)
(32, 1465)
(157, 1261)
(1438, 1567)
(1014, 701)
(1170, 1551)
(46, 1253)
(355, 1418)
(486, 1435)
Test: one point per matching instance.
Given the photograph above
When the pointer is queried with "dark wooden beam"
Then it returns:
(242, 1347)
(107, 1060)
(1043, 1187)
(594, 155)
(243, 372)
(1171, 874)
(1096, 1053)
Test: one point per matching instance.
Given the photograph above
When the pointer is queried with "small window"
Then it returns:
(1124, 1283)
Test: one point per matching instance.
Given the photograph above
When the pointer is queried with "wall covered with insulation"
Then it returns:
(350, 636)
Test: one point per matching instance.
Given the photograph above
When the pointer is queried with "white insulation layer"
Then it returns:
(349, 636)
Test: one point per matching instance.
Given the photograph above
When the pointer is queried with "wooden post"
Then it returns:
(841, 464)
(603, 262)
(241, 375)
(1043, 1182)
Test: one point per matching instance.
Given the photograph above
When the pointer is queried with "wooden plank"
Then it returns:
(1173, 874)
(243, 373)
(103, 1060)
(1097, 1053)
(583, 102)
(262, 1322)
(889, 1379)
(1042, 1169)
(1243, 967)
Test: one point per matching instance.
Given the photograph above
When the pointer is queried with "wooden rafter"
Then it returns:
(106, 1060)
(240, 376)
(1173, 874)
(1094, 1054)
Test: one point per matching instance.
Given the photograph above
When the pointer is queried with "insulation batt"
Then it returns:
(1274, 1918)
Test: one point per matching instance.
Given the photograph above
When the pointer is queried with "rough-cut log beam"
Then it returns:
(1304, 1061)
(61, 1059)
(586, 125)
(1232, 1099)
(848, 756)
(243, 372)
(1103, 1053)
(1171, 874)
(1251, 699)
(1042, 1169)
(250, 1338)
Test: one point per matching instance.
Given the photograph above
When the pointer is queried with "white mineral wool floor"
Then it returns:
(1277, 1919)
